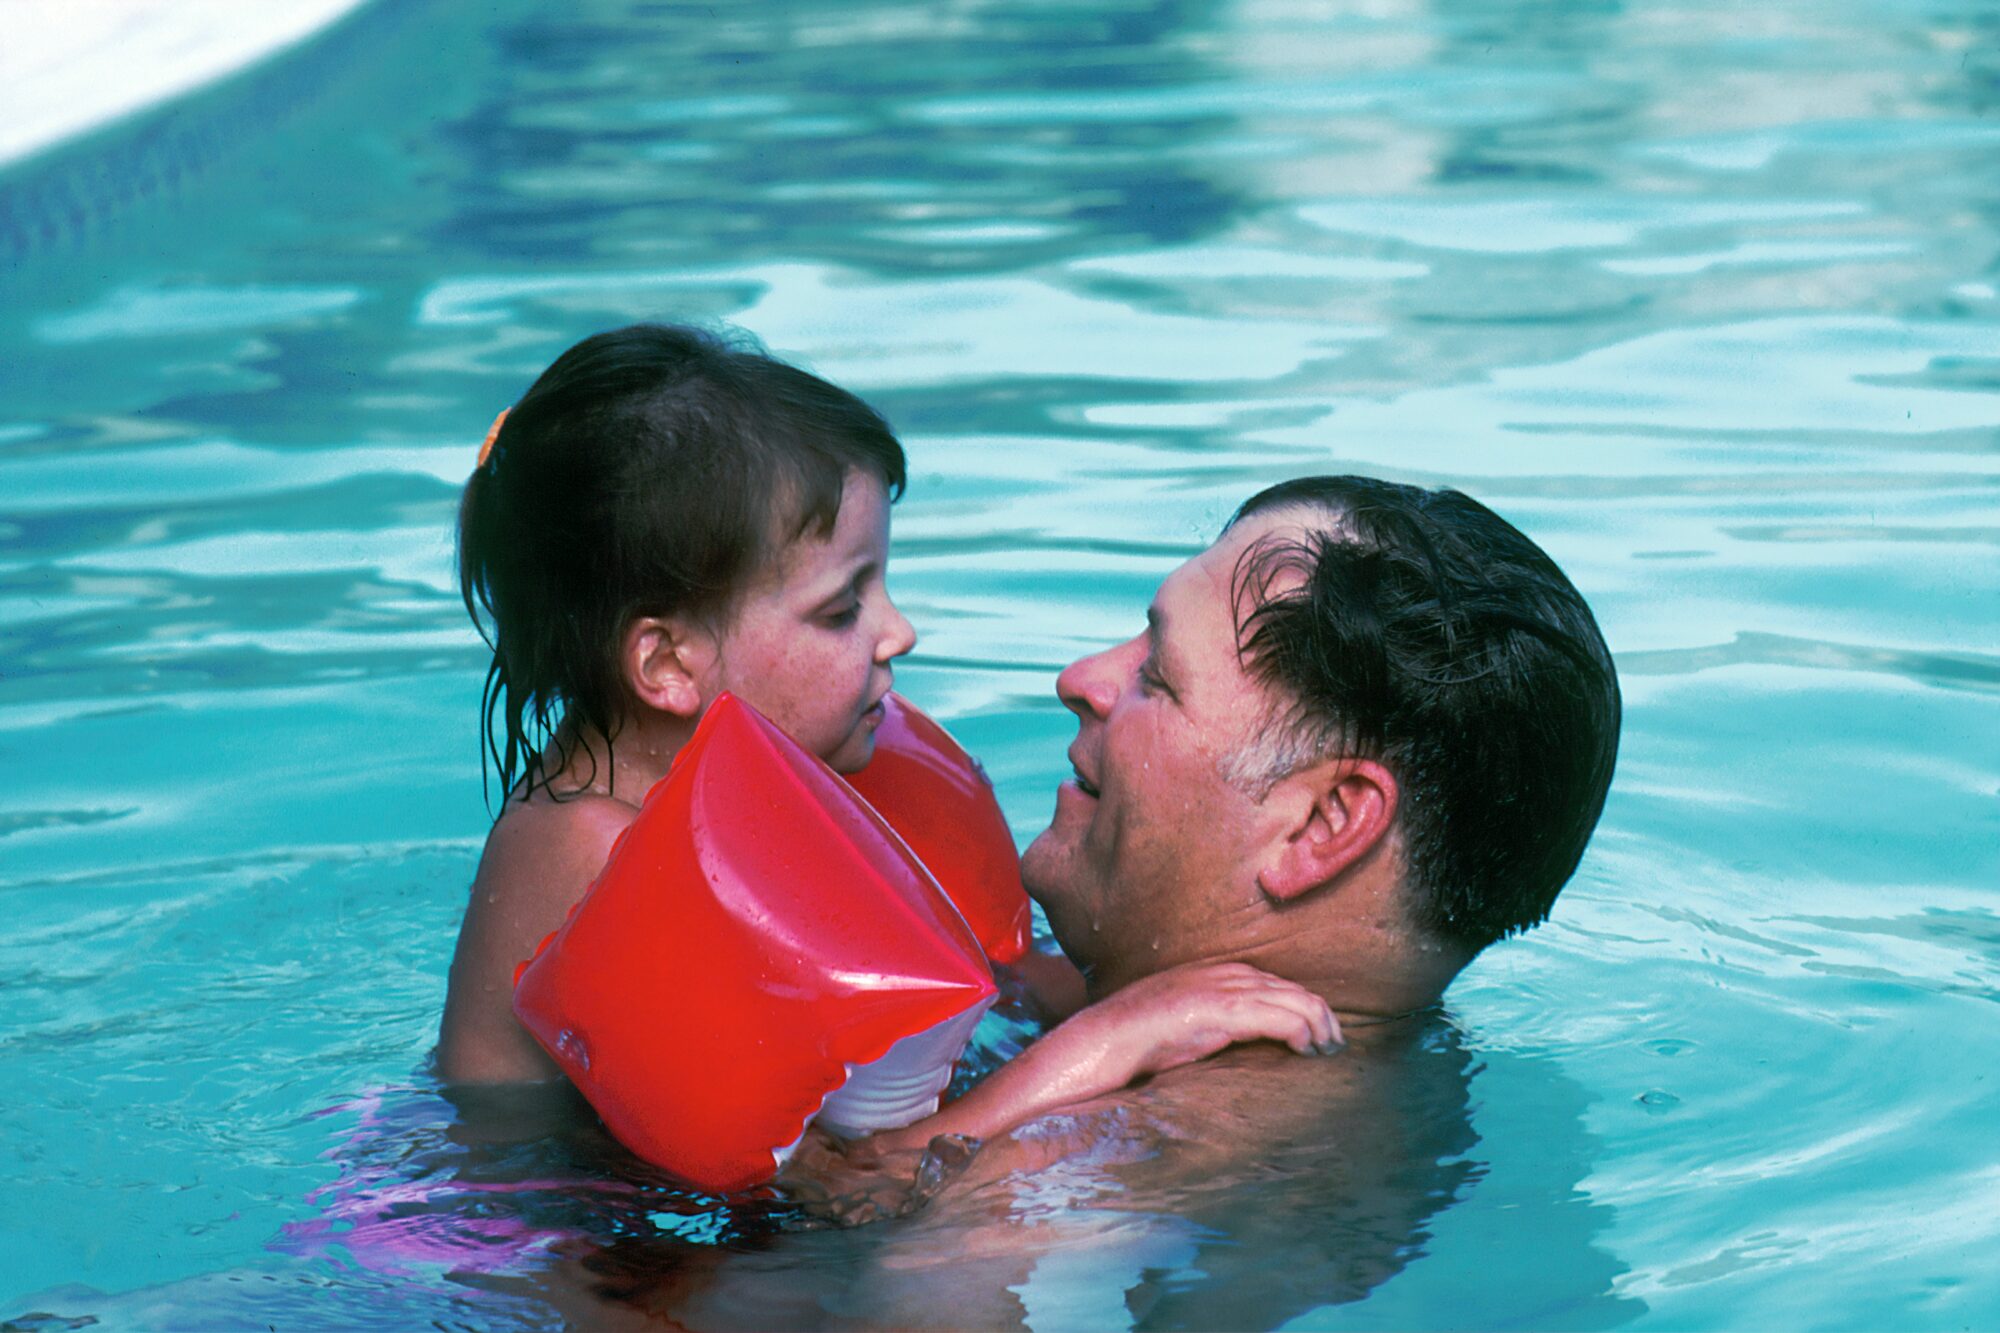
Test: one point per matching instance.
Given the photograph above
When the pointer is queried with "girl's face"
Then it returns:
(811, 642)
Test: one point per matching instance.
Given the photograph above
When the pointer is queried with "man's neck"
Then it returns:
(1368, 980)
(1369, 977)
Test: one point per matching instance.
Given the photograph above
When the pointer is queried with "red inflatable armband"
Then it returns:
(937, 797)
(759, 950)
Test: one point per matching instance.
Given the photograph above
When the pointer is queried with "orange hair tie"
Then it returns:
(492, 434)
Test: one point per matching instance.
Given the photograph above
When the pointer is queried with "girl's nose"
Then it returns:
(898, 636)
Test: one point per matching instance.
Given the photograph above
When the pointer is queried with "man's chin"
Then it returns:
(1040, 864)
(1045, 873)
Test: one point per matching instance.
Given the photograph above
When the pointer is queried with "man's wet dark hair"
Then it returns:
(1420, 629)
(650, 471)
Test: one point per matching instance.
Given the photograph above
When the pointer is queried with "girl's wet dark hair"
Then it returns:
(1419, 628)
(650, 471)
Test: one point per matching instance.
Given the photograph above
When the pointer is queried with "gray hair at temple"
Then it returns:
(1420, 629)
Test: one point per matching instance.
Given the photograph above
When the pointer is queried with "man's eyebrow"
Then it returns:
(1156, 638)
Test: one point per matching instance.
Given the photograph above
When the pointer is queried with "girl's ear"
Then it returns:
(665, 661)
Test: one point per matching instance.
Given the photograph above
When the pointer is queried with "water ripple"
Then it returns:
(1700, 296)
(1963, 671)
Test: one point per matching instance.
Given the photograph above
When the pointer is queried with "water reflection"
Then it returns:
(1241, 1219)
(1702, 296)
(854, 134)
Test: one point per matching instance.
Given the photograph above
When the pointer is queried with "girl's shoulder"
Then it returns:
(540, 859)
(543, 811)
(553, 845)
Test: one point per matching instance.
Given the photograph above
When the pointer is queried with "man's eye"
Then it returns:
(1149, 679)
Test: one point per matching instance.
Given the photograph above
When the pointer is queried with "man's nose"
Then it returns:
(1089, 686)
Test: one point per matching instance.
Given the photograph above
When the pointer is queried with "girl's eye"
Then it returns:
(842, 617)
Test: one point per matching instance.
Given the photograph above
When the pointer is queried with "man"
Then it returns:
(1364, 735)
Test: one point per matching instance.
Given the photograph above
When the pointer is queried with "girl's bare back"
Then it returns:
(540, 858)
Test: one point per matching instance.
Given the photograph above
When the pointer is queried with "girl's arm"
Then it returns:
(1173, 1018)
(1050, 982)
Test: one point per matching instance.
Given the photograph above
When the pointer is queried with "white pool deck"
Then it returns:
(70, 66)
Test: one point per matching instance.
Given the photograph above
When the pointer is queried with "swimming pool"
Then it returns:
(1704, 299)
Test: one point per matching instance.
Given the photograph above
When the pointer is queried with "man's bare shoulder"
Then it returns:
(1187, 1120)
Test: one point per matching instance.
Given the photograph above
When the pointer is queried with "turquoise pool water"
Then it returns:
(1703, 297)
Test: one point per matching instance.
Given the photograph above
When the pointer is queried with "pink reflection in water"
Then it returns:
(375, 1219)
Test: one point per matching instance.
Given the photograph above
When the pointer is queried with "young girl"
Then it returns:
(665, 516)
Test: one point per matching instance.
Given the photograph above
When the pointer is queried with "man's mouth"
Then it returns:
(1084, 784)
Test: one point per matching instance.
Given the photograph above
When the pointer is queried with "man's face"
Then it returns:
(1150, 858)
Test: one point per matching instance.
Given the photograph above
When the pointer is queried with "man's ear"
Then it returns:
(664, 660)
(1332, 815)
